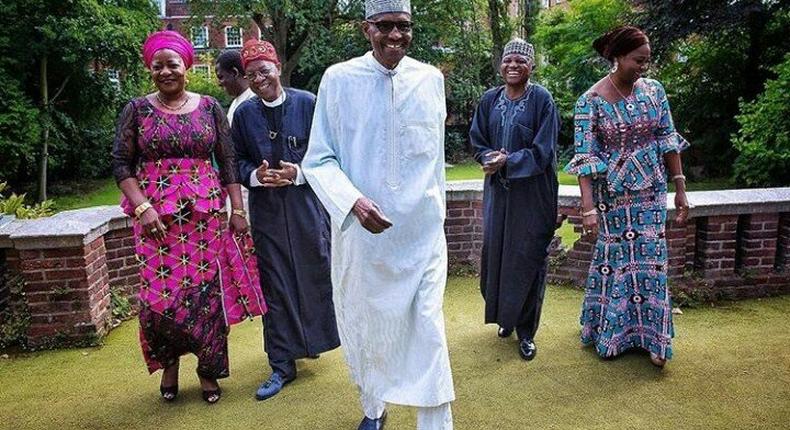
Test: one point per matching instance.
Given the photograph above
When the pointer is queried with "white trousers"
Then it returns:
(435, 418)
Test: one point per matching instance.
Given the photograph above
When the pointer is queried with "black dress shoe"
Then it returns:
(527, 349)
(504, 332)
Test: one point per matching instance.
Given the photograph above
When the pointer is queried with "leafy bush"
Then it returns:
(15, 319)
(567, 63)
(764, 138)
(19, 127)
(15, 205)
(703, 82)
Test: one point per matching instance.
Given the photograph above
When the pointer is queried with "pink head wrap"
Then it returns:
(168, 40)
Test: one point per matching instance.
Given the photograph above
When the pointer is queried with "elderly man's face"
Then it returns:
(390, 35)
(515, 69)
(264, 79)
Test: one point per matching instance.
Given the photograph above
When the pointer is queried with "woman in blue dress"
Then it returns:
(626, 148)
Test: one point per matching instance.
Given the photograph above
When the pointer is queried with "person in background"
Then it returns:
(626, 146)
(514, 133)
(230, 75)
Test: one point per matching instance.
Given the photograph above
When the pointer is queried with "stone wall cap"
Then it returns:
(68, 228)
(704, 203)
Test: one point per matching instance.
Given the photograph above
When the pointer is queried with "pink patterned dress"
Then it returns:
(201, 278)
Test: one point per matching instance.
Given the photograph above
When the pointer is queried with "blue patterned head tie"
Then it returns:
(375, 7)
(521, 47)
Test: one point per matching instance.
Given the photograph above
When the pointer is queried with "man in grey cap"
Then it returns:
(514, 133)
(376, 162)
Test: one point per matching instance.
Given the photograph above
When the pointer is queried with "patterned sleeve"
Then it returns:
(669, 140)
(124, 148)
(586, 160)
(224, 152)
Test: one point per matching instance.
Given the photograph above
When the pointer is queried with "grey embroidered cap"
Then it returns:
(521, 47)
(375, 7)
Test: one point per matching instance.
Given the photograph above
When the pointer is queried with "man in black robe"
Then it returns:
(289, 225)
(514, 133)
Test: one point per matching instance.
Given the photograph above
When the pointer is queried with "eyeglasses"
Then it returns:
(387, 26)
(253, 75)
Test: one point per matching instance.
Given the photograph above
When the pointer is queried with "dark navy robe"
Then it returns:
(290, 228)
(519, 204)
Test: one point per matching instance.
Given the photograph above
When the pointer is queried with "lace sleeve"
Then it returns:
(224, 152)
(124, 148)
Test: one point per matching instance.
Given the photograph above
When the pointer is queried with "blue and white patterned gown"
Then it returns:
(627, 303)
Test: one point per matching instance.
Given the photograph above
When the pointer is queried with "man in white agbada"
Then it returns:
(230, 75)
(376, 162)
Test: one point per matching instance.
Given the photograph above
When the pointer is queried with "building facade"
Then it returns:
(209, 37)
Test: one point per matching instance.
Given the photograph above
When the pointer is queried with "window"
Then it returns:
(202, 69)
(200, 37)
(162, 6)
(115, 78)
(546, 4)
(232, 37)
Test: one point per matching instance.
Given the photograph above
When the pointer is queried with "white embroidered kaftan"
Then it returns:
(379, 133)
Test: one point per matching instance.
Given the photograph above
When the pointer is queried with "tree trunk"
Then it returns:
(42, 170)
(497, 16)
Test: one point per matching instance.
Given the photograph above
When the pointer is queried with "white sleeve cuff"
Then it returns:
(254, 179)
(299, 180)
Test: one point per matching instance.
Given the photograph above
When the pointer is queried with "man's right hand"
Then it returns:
(370, 216)
(260, 172)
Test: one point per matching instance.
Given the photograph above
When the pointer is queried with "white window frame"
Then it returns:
(202, 69)
(204, 30)
(241, 37)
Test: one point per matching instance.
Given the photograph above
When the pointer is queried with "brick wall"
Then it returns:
(715, 255)
(464, 230)
(70, 261)
(67, 291)
(121, 262)
(3, 285)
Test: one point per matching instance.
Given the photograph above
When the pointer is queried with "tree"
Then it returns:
(709, 56)
(67, 45)
(502, 28)
(668, 22)
(763, 141)
(290, 25)
(569, 66)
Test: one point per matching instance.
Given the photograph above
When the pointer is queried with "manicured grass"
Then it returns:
(88, 193)
(731, 370)
(471, 170)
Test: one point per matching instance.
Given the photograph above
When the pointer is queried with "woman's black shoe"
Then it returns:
(169, 393)
(212, 396)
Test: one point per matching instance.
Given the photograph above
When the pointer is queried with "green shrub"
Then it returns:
(764, 138)
(15, 319)
(15, 205)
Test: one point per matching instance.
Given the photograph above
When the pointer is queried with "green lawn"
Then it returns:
(83, 194)
(471, 170)
(731, 371)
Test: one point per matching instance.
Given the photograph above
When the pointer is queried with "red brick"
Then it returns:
(63, 252)
(458, 221)
(64, 274)
(458, 204)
